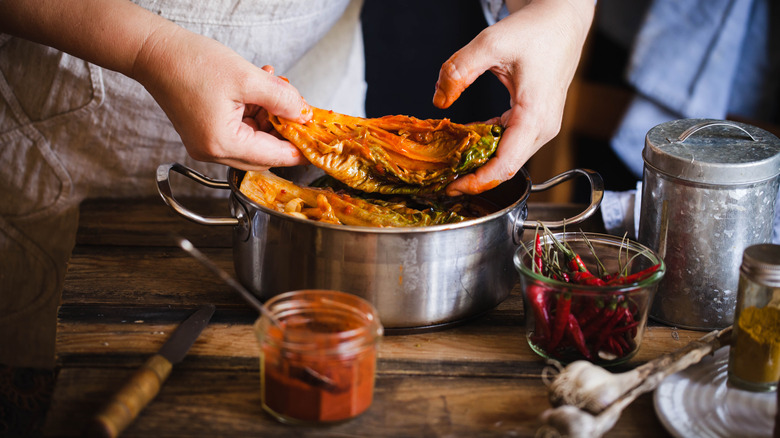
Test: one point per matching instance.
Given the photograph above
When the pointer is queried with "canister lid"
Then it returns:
(762, 263)
(712, 151)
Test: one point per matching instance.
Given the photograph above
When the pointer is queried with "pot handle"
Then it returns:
(596, 196)
(164, 187)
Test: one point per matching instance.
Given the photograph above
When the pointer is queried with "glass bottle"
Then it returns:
(754, 358)
(318, 365)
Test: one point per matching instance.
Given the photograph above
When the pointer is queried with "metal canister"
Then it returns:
(708, 192)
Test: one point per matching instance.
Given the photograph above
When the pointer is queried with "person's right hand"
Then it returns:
(534, 52)
(217, 101)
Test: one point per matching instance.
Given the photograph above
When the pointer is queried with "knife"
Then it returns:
(144, 385)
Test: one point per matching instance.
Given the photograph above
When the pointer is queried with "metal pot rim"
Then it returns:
(500, 192)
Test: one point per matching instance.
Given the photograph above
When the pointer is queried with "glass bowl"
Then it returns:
(571, 320)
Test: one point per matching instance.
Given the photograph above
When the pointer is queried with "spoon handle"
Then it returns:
(227, 278)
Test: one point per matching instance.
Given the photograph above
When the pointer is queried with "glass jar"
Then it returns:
(603, 324)
(754, 358)
(318, 365)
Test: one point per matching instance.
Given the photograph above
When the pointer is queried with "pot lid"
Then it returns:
(712, 151)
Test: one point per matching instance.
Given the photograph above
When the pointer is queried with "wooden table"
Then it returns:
(128, 287)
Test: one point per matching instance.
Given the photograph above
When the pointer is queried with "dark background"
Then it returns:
(406, 44)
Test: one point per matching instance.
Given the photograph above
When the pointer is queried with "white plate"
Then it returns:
(696, 402)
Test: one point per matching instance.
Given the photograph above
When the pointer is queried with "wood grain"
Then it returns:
(128, 287)
(227, 403)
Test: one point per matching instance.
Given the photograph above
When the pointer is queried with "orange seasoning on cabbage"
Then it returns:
(319, 367)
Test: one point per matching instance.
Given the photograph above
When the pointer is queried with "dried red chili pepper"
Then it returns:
(625, 328)
(537, 296)
(621, 340)
(575, 262)
(538, 252)
(574, 330)
(606, 331)
(590, 311)
(586, 278)
(562, 311)
(599, 322)
(630, 320)
(614, 347)
(635, 277)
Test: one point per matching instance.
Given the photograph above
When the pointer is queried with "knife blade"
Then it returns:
(145, 383)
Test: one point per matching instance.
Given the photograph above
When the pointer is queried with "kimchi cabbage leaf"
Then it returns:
(391, 154)
(326, 205)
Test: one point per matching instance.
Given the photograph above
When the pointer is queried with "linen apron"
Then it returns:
(70, 130)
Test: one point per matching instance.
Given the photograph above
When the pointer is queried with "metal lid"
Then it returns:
(762, 263)
(712, 151)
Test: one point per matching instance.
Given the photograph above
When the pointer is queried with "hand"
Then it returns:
(218, 102)
(534, 52)
(215, 99)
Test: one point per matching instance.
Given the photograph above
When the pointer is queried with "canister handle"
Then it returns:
(164, 187)
(596, 196)
(699, 126)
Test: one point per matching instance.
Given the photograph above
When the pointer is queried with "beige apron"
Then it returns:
(70, 130)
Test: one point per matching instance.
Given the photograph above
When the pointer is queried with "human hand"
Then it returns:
(534, 52)
(217, 101)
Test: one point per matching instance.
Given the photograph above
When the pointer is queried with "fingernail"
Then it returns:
(453, 193)
(306, 112)
(439, 98)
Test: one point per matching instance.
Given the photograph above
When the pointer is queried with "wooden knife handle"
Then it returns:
(131, 399)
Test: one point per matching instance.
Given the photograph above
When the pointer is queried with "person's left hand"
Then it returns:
(534, 52)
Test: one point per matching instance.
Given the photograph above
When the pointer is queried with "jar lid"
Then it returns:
(712, 151)
(762, 263)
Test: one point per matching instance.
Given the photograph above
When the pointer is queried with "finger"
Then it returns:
(258, 150)
(252, 123)
(277, 96)
(491, 121)
(251, 110)
(516, 147)
(261, 119)
(460, 71)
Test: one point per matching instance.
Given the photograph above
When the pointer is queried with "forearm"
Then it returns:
(212, 96)
(109, 33)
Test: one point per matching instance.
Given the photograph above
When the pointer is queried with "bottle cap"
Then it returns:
(762, 263)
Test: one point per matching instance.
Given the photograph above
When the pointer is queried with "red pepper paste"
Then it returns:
(322, 371)
(319, 389)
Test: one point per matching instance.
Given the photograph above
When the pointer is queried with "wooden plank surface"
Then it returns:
(227, 403)
(127, 288)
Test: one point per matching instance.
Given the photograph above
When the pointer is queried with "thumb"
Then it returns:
(457, 73)
(277, 96)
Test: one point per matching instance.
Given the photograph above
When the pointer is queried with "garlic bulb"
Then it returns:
(588, 399)
(590, 387)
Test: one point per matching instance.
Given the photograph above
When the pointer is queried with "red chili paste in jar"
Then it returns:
(320, 368)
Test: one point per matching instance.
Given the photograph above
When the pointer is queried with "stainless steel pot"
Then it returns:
(418, 278)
